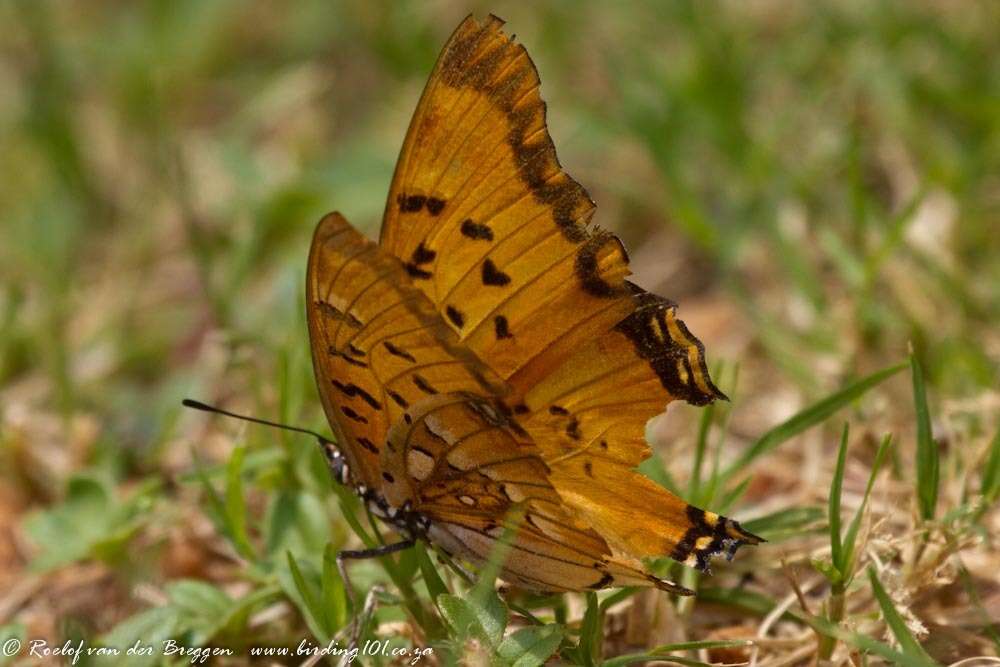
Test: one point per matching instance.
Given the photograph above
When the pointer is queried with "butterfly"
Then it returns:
(488, 355)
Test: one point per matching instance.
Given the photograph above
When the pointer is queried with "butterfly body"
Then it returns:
(488, 360)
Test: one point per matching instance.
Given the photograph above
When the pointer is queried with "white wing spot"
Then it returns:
(419, 464)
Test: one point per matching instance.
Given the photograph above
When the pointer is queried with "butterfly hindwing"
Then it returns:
(466, 467)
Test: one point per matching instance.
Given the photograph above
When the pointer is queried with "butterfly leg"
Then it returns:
(363, 614)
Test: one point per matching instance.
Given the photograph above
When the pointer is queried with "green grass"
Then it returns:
(815, 185)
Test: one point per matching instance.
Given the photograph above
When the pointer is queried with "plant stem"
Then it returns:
(835, 614)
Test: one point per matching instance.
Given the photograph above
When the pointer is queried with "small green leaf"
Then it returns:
(530, 647)
(203, 608)
(828, 570)
(484, 619)
(253, 462)
(197, 597)
(68, 531)
(216, 507)
(492, 615)
(928, 463)
(458, 615)
(348, 504)
(482, 602)
(407, 564)
(90, 523)
(147, 628)
(281, 516)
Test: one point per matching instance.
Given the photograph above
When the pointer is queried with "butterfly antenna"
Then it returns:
(204, 407)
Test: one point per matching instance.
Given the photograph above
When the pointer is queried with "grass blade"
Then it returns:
(618, 596)
(333, 592)
(591, 632)
(852, 531)
(663, 652)
(814, 414)
(990, 487)
(928, 463)
(498, 555)
(731, 497)
(869, 644)
(788, 522)
(909, 645)
(833, 512)
(432, 580)
(704, 425)
(312, 609)
(235, 505)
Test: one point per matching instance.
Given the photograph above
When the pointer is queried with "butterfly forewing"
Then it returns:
(488, 224)
(377, 343)
(496, 234)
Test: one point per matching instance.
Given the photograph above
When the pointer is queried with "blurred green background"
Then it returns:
(817, 185)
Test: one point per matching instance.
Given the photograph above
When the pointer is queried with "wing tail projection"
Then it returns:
(641, 519)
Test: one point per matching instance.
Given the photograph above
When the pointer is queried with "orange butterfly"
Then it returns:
(488, 354)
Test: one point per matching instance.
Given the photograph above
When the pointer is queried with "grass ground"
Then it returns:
(817, 185)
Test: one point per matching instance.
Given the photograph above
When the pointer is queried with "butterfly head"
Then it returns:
(339, 469)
